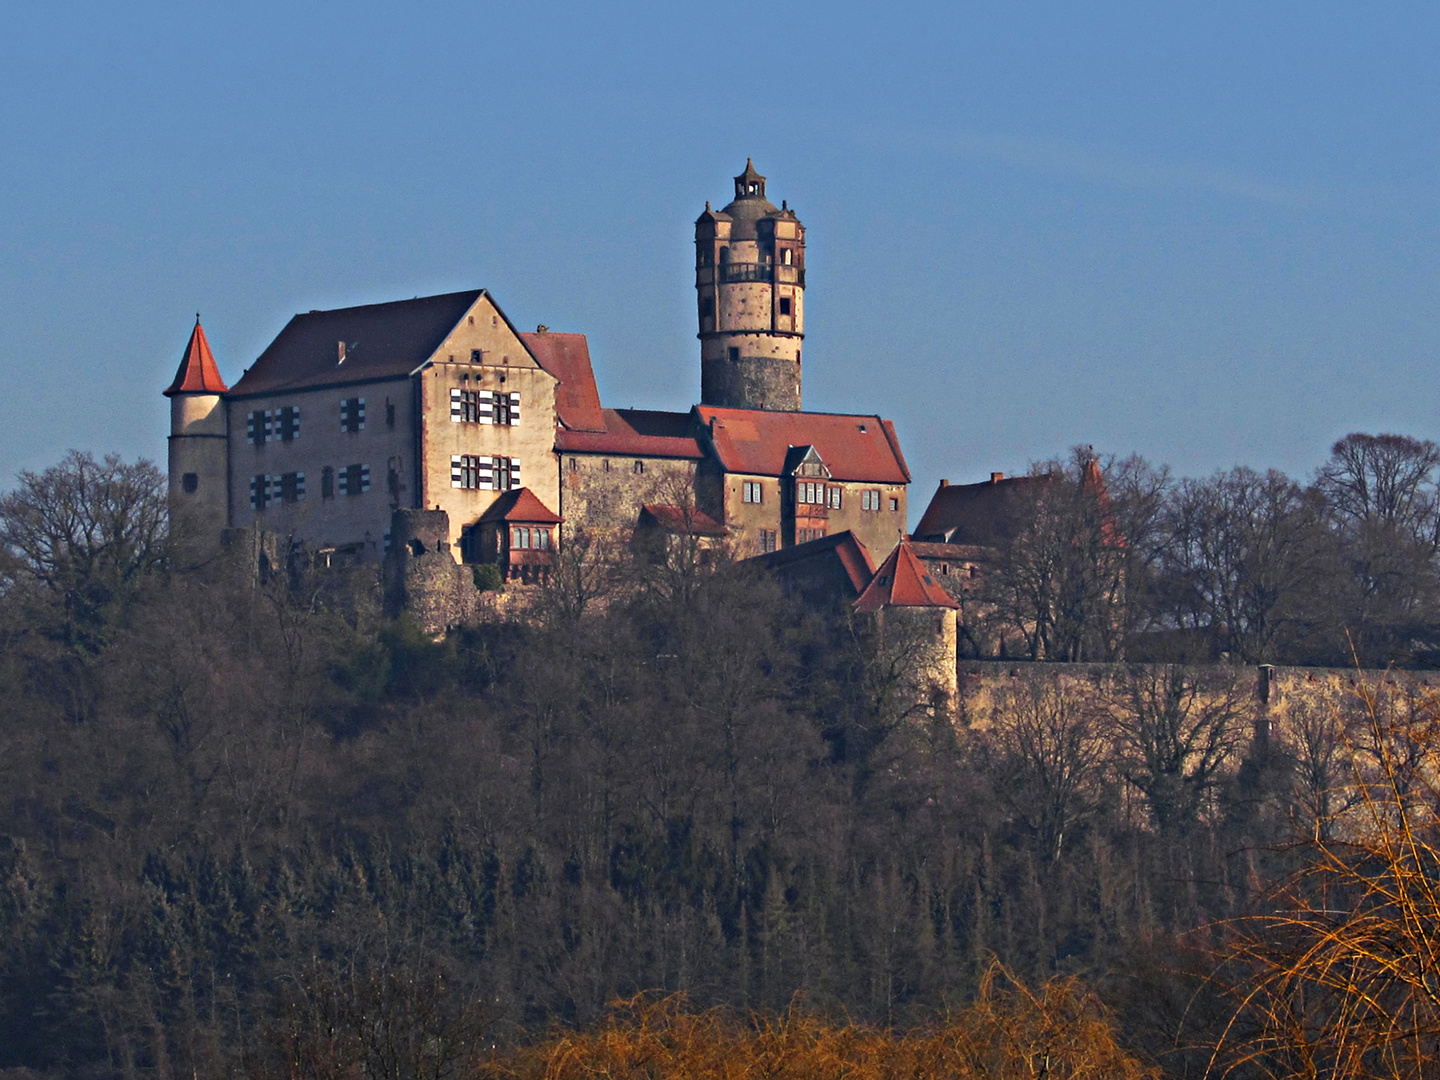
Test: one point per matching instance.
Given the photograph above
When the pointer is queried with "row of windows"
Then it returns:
(478, 473)
(769, 540)
(637, 466)
(816, 494)
(290, 487)
(283, 424)
(704, 256)
(484, 407)
(803, 536)
(813, 494)
(530, 538)
(265, 425)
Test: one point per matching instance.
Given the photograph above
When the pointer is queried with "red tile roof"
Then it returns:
(902, 581)
(986, 513)
(198, 373)
(521, 504)
(635, 433)
(683, 520)
(854, 557)
(858, 448)
(382, 341)
(567, 357)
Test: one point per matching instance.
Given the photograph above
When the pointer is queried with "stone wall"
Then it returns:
(422, 579)
(604, 492)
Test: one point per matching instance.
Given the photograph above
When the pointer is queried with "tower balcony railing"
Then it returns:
(767, 272)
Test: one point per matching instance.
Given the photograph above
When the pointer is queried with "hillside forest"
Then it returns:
(663, 820)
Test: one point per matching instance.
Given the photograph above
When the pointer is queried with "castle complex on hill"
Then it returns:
(441, 404)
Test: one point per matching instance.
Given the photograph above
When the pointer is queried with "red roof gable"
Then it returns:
(567, 357)
(198, 373)
(521, 504)
(636, 433)
(902, 581)
(846, 547)
(859, 448)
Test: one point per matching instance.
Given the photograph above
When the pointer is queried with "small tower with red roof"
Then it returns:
(199, 456)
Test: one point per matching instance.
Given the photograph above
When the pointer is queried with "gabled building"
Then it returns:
(440, 404)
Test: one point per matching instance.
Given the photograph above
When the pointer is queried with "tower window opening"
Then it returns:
(190, 482)
(707, 307)
(734, 352)
(788, 256)
(784, 305)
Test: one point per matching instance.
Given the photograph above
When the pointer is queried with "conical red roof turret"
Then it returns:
(903, 581)
(198, 373)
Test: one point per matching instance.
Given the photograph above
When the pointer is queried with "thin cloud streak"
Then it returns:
(1129, 172)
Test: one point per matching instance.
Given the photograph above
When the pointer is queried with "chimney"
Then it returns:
(944, 483)
(996, 477)
(340, 349)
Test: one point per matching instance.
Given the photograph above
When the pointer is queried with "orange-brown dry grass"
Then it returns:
(1337, 976)
(1009, 1032)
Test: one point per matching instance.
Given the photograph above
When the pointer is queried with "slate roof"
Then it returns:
(758, 442)
(677, 519)
(567, 357)
(846, 547)
(636, 433)
(903, 581)
(197, 373)
(383, 341)
(521, 504)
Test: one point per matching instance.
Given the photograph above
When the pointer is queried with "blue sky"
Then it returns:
(1203, 232)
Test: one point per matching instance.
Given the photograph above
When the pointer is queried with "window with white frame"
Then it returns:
(285, 423)
(870, 499)
(259, 492)
(769, 540)
(355, 479)
(481, 473)
(834, 496)
(288, 487)
(352, 414)
(257, 427)
(804, 536)
(754, 491)
(810, 493)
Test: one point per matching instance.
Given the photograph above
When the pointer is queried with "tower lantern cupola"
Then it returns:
(749, 184)
(750, 281)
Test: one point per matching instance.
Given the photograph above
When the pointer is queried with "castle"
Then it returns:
(441, 404)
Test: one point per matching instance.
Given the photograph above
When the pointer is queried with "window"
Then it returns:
(484, 473)
(257, 427)
(734, 353)
(476, 356)
(288, 487)
(355, 479)
(804, 536)
(190, 482)
(389, 414)
(754, 492)
(869, 499)
(784, 305)
(810, 493)
(894, 505)
(464, 471)
(707, 307)
(638, 467)
(835, 495)
(574, 465)
(769, 540)
(520, 537)
(507, 473)
(259, 492)
(352, 414)
(788, 256)
(327, 483)
(286, 423)
(605, 465)
(507, 408)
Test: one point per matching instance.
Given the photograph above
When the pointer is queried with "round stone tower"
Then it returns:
(199, 450)
(750, 277)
